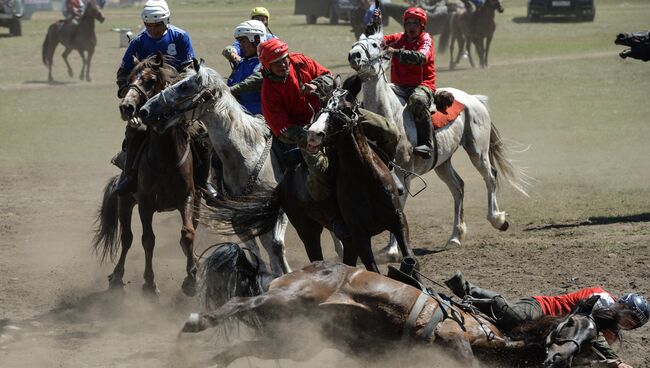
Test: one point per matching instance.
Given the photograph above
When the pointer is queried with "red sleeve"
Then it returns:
(273, 109)
(310, 68)
(388, 39)
(427, 45)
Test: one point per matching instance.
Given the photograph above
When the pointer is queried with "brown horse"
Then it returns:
(366, 194)
(82, 39)
(165, 183)
(474, 28)
(369, 312)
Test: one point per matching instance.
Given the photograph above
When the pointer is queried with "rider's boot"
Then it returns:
(424, 128)
(127, 181)
(204, 151)
(460, 287)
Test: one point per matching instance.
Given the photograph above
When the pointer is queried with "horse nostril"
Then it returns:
(144, 113)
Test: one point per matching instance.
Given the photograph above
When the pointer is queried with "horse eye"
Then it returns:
(374, 44)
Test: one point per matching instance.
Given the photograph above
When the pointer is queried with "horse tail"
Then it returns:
(49, 45)
(105, 241)
(227, 273)
(443, 40)
(515, 176)
(246, 216)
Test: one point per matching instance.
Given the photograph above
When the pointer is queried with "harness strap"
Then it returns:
(436, 317)
(186, 154)
(252, 179)
(415, 312)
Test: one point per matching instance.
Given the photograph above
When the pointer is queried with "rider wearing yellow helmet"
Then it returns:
(233, 53)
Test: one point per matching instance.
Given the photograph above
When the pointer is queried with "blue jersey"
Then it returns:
(175, 42)
(252, 101)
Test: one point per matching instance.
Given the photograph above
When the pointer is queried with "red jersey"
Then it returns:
(410, 75)
(563, 304)
(283, 103)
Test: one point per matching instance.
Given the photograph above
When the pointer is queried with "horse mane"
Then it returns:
(167, 71)
(233, 114)
(534, 332)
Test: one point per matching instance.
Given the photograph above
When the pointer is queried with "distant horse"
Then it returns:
(472, 129)
(240, 140)
(437, 22)
(83, 40)
(474, 28)
(165, 183)
(364, 185)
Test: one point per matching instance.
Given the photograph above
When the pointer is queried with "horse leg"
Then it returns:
(456, 186)
(65, 54)
(481, 160)
(480, 49)
(273, 242)
(462, 347)
(468, 47)
(83, 64)
(187, 244)
(488, 41)
(364, 250)
(88, 60)
(146, 210)
(391, 252)
(338, 245)
(268, 348)
(125, 213)
(309, 232)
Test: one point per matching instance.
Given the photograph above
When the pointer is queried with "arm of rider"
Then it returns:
(603, 348)
(122, 81)
(230, 53)
(412, 57)
(324, 85)
(252, 83)
(295, 134)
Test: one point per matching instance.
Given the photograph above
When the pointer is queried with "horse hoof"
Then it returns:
(151, 290)
(387, 257)
(453, 243)
(505, 226)
(189, 286)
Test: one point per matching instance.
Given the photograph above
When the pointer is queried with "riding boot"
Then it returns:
(217, 173)
(460, 287)
(204, 152)
(424, 129)
(127, 181)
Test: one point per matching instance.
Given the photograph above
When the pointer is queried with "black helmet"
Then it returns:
(639, 304)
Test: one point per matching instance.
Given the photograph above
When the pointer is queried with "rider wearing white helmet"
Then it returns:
(233, 53)
(158, 35)
(246, 80)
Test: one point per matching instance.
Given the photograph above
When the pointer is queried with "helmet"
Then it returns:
(415, 13)
(260, 10)
(155, 11)
(639, 305)
(272, 51)
(250, 29)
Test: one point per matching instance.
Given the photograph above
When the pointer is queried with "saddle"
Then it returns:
(444, 109)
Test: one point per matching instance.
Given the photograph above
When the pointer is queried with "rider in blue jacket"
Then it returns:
(233, 53)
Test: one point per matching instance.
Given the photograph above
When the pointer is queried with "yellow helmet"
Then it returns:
(260, 10)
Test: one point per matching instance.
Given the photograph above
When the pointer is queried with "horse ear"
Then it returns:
(196, 65)
(136, 61)
(337, 81)
(587, 305)
(160, 60)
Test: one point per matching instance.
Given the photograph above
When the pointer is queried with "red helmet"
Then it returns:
(415, 13)
(271, 51)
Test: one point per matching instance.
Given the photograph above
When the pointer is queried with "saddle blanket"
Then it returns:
(440, 119)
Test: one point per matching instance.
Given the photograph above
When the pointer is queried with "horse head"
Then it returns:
(338, 116)
(365, 56)
(94, 11)
(571, 334)
(495, 4)
(148, 78)
(184, 100)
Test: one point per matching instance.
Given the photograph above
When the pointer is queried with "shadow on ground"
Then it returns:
(597, 220)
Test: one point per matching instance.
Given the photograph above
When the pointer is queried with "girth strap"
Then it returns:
(437, 317)
(415, 312)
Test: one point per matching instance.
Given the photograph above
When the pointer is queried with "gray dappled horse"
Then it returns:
(82, 39)
(240, 140)
(473, 130)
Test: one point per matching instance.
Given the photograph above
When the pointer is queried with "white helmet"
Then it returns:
(155, 11)
(250, 29)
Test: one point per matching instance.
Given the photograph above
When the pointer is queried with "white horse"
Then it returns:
(473, 129)
(240, 140)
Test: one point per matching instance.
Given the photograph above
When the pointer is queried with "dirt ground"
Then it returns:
(586, 222)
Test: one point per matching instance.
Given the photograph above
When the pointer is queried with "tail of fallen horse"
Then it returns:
(106, 241)
(246, 217)
(49, 44)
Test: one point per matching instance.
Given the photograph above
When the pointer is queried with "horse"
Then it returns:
(472, 129)
(240, 140)
(165, 182)
(260, 211)
(437, 21)
(361, 311)
(82, 39)
(477, 28)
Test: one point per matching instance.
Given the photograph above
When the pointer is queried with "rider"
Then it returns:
(509, 315)
(245, 82)
(291, 88)
(72, 11)
(158, 35)
(234, 53)
(413, 70)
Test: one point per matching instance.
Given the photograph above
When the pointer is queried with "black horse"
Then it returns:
(638, 43)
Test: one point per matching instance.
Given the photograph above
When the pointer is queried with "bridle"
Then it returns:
(553, 339)
(332, 109)
(172, 111)
(372, 60)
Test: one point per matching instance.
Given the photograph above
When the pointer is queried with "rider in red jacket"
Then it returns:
(512, 314)
(412, 69)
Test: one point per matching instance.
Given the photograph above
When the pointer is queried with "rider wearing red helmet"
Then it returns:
(510, 314)
(412, 69)
(292, 86)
